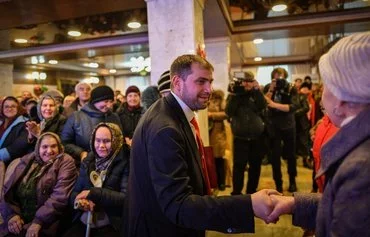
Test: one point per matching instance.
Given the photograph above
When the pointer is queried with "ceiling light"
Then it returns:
(279, 7)
(92, 80)
(258, 41)
(74, 33)
(134, 24)
(41, 59)
(43, 76)
(112, 70)
(34, 60)
(92, 65)
(21, 41)
(52, 61)
(257, 59)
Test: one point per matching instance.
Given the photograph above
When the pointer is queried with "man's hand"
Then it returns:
(128, 141)
(282, 205)
(33, 230)
(15, 224)
(262, 203)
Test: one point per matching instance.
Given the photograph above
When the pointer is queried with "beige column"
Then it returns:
(6, 70)
(218, 53)
(175, 28)
(6, 79)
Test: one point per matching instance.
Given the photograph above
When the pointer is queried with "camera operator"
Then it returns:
(282, 103)
(245, 107)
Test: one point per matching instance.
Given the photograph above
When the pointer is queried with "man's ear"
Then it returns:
(177, 82)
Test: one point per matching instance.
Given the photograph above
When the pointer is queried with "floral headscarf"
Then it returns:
(117, 143)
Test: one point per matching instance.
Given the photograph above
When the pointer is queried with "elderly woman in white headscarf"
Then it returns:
(51, 119)
(343, 208)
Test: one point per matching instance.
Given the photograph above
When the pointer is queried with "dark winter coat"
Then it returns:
(245, 112)
(13, 143)
(343, 208)
(79, 127)
(129, 119)
(111, 196)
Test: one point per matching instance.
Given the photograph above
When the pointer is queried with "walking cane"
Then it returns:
(89, 221)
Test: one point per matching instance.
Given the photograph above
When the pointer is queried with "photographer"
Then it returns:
(245, 106)
(282, 103)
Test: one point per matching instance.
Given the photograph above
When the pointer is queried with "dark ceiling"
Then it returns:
(288, 36)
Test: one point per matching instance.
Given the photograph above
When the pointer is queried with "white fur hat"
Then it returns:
(345, 69)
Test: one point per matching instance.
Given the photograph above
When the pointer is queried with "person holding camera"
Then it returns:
(282, 103)
(245, 107)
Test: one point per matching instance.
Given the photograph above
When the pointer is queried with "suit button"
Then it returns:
(230, 230)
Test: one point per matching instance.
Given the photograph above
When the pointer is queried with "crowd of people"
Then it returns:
(135, 165)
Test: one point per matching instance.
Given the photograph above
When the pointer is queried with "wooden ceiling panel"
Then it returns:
(15, 13)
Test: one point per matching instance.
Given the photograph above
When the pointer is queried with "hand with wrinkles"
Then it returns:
(15, 224)
(282, 205)
(262, 203)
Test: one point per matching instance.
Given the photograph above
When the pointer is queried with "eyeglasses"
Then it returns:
(10, 106)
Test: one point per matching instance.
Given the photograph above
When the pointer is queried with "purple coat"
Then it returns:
(53, 190)
(344, 207)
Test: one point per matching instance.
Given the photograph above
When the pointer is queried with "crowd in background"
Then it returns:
(71, 126)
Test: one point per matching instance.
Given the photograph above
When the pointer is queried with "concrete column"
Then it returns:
(175, 28)
(6, 79)
(218, 53)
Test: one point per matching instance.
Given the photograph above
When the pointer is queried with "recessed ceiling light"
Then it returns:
(34, 60)
(279, 7)
(258, 41)
(134, 24)
(92, 65)
(257, 59)
(112, 70)
(21, 41)
(74, 33)
(52, 61)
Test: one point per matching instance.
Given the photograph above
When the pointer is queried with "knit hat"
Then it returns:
(132, 89)
(101, 93)
(345, 68)
(57, 95)
(164, 82)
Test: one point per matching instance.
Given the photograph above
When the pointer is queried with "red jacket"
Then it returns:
(325, 130)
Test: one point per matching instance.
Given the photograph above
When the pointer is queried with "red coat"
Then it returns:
(325, 130)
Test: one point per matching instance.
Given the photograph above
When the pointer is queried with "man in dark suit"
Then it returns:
(167, 186)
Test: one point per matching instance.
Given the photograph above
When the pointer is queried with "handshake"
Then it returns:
(269, 205)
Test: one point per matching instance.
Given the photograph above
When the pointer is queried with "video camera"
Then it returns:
(282, 85)
(235, 85)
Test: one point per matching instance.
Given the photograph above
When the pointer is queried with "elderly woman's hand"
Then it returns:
(84, 205)
(15, 224)
(33, 230)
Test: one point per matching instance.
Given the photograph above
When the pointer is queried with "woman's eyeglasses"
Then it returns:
(10, 106)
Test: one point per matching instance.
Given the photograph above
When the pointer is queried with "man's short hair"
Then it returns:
(182, 65)
(298, 79)
(80, 84)
(280, 71)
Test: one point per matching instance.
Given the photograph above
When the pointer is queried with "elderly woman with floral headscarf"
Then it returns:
(13, 135)
(36, 191)
(51, 119)
(102, 184)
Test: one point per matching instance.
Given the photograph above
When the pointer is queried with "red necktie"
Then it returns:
(201, 152)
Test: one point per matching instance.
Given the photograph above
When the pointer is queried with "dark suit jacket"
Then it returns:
(166, 186)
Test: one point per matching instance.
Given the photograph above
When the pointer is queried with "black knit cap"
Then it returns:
(132, 89)
(101, 93)
(164, 82)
